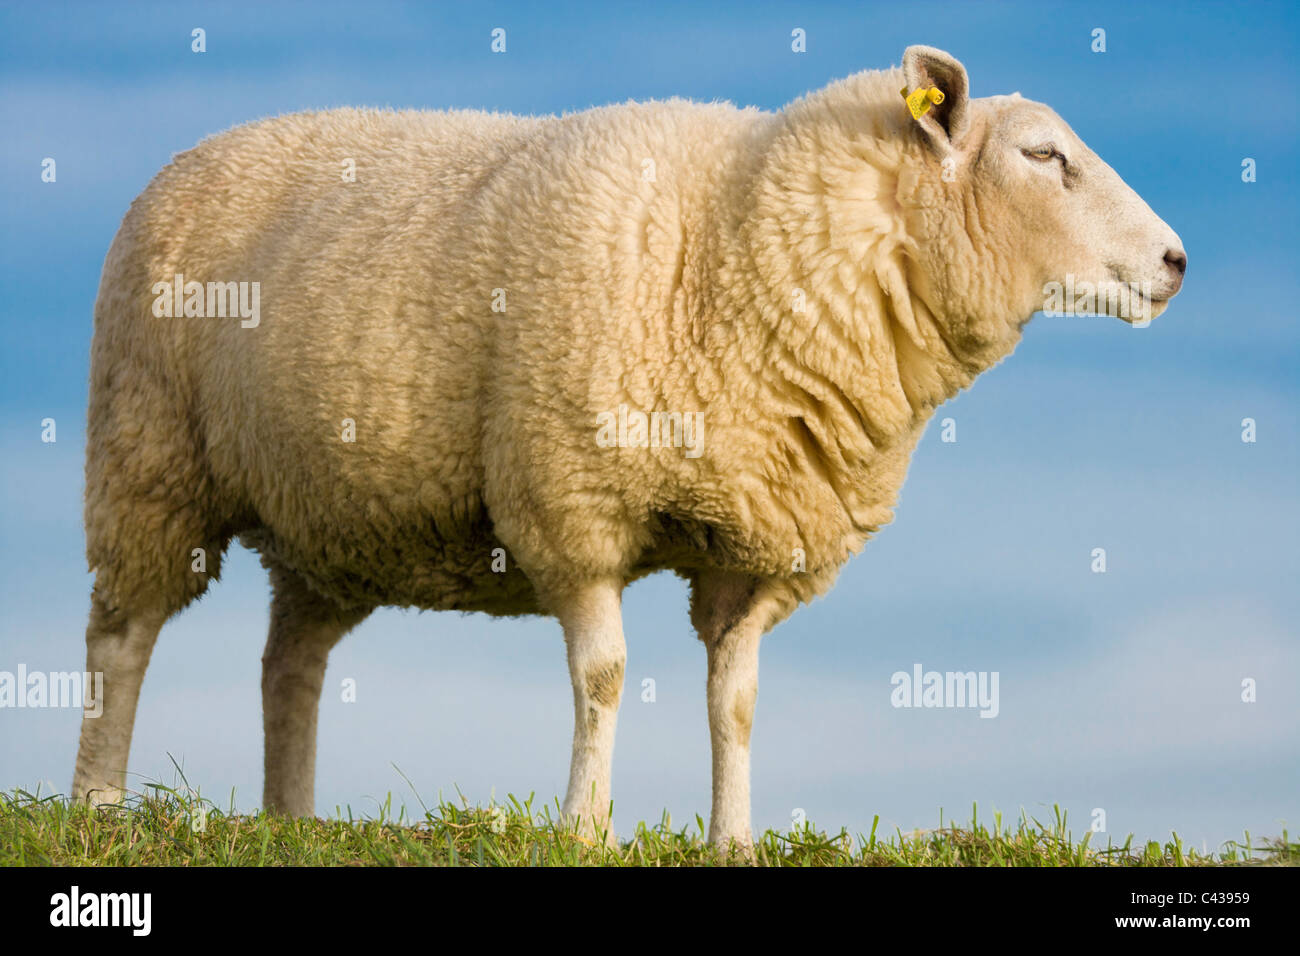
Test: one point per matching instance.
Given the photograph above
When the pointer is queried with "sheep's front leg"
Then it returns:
(593, 634)
(730, 617)
(732, 691)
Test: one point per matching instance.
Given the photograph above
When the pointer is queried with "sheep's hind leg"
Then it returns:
(593, 635)
(147, 569)
(304, 628)
(118, 647)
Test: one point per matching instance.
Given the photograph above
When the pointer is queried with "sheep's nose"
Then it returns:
(1176, 259)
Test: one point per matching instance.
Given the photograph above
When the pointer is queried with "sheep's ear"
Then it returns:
(945, 123)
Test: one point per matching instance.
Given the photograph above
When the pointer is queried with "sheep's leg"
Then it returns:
(730, 620)
(155, 529)
(118, 646)
(593, 634)
(304, 628)
(732, 692)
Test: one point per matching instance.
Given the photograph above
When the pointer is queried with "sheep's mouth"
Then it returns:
(1155, 307)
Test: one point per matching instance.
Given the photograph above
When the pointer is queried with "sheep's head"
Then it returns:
(1027, 218)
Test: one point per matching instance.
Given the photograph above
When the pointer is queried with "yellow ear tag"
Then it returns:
(920, 101)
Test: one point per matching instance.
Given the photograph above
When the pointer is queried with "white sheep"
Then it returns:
(470, 361)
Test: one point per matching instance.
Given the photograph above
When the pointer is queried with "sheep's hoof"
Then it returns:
(738, 848)
(588, 829)
(96, 797)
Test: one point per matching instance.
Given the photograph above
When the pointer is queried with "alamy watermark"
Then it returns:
(53, 689)
(215, 300)
(132, 911)
(1124, 300)
(630, 428)
(922, 688)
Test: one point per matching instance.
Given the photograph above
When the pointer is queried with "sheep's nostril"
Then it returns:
(1177, 260)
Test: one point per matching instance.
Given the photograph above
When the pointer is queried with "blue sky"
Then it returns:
(1119, 691)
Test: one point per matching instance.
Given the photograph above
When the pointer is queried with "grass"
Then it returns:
(167, 826)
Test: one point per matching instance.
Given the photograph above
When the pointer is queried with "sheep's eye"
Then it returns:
(1042, 153)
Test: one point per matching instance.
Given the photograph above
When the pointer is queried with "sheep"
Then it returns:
(440, 342)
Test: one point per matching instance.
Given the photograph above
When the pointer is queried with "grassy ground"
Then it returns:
(169, 827)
